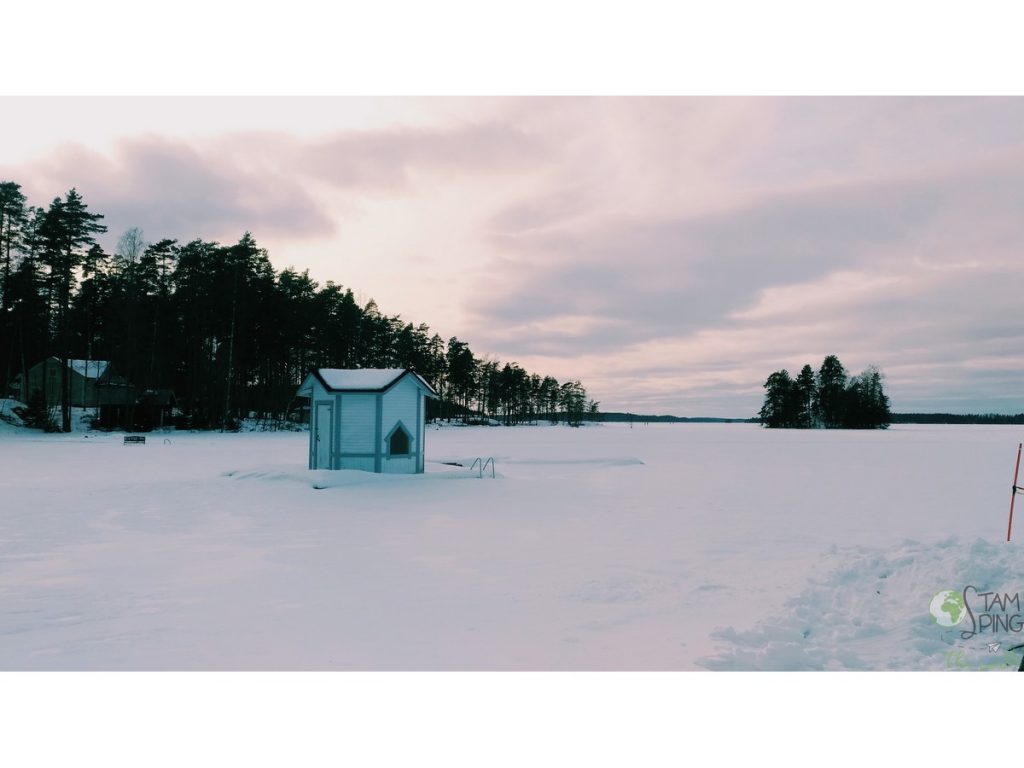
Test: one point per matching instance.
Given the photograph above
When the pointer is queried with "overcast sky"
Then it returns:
(669, 252)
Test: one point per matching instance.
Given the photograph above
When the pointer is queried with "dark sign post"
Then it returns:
(134, 439)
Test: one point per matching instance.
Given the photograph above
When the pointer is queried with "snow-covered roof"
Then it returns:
(363, 379)
(359, 378)
(90, 369)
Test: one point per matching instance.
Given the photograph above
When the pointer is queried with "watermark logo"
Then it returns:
(948, 608)
(961, 659)
(977, 612)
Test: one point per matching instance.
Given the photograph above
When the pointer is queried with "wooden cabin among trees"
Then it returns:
(85, 377)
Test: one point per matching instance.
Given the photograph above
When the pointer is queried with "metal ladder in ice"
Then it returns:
(482, 464)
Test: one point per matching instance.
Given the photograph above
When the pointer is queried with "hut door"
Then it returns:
(324, 432)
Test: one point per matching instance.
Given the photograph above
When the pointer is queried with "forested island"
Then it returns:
(828, 398)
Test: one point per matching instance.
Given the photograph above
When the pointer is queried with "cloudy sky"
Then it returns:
(669, 252)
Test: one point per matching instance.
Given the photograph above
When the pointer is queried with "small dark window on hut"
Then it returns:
(399, 445)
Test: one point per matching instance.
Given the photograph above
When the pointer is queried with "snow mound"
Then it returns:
(870, 611)
(9, 408)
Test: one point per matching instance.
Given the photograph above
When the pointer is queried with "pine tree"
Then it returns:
(866, 405)
(87, 305)
(779, 401)
(461, 371)
(831, 390)
(28, 318)
(805, 398)
(66, 230)
(574, 403)
(13, 219)
(881, 416)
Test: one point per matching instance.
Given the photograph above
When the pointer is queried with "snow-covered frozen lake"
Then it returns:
(677, 546)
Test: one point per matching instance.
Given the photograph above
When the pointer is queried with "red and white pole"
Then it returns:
(1013, 492)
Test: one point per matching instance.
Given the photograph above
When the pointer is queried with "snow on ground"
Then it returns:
(668, 546)
(9, 420)
(81, 418)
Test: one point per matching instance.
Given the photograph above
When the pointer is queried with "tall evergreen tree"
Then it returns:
(462, 370)
(67, 230)
(804, 386)
(13, 219)
(574, 403)
(831, 389)
(866, 406)
(778, 409)
(881, 415)
(87, 306)
(548, 397)
(28, 317)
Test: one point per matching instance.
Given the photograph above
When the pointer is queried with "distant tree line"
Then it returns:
(639, 418)
(218, 325)
(829, 398)
(957, 418)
